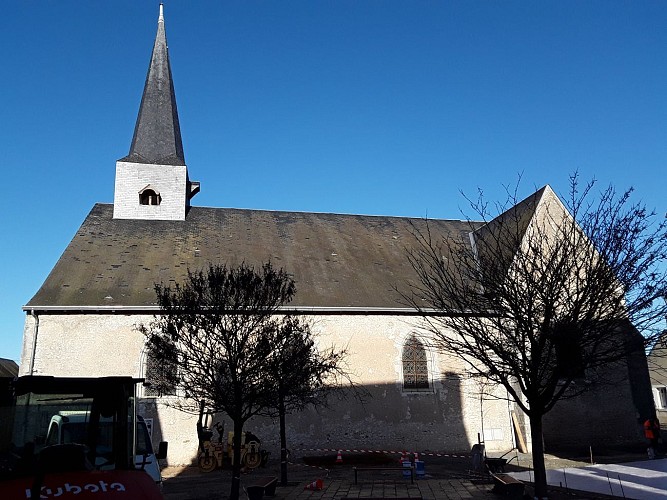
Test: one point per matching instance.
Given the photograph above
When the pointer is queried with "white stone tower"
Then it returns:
(152, 180)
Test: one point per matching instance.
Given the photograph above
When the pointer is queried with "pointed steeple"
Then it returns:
(157, 134)
(152, 182)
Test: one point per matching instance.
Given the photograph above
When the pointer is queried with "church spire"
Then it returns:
(157, 133)
(152, 182)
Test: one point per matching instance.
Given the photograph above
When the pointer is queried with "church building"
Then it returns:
(83, 320)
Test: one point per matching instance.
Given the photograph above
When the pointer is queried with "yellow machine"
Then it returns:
(212, 454)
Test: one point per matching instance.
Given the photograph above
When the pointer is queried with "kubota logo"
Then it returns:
(73, 489)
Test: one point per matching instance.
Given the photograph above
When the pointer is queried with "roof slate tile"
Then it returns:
(338, 261)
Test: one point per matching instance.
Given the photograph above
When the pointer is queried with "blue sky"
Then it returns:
(372, 107)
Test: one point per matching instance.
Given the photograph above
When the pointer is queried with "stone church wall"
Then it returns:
(609, 415)
(446, 417)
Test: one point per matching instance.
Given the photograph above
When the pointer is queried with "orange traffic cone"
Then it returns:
(316, 485)
(339, 457)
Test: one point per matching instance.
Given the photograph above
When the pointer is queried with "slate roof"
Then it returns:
(157, 133)
(338, 261)
(8, 368)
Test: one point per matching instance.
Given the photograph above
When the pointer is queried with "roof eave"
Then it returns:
(314, 310)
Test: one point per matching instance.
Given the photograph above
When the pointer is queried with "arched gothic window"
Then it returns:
(415, 365)
(149, 196)
(159, 377)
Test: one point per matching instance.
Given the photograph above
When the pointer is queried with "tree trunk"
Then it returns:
(236, 466)
(283, 444)
(539, 469)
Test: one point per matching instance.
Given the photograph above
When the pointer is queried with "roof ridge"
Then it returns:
(338, 214)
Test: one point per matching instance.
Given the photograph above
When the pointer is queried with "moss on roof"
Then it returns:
(338, 261)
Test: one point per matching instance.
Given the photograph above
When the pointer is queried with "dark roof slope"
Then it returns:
(157, 133)
(8, 368)
(338, 261)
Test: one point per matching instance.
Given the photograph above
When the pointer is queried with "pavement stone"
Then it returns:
(446, 478)
(190, 484)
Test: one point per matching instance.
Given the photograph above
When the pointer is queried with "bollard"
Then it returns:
(420, 470)
(407, 468)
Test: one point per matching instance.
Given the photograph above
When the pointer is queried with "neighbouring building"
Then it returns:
(83, 320)
(657, 362)
(8, 368)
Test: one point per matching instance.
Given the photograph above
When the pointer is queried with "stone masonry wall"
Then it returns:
(447, 417)
(169, 180)
(605, 416)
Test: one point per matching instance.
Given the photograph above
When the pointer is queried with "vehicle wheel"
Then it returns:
(252, 460)
(206, 463)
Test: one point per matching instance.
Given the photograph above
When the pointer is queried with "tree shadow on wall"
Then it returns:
(391, 418)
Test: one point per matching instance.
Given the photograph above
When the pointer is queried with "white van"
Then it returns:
(70, 427)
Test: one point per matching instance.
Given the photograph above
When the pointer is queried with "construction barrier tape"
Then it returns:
(420, 453)
(310, 466)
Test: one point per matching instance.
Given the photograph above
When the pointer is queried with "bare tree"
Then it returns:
(301, 374)
(544, 294)
(217, 331)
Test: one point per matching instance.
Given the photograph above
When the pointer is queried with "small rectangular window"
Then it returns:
(660, 397)
(569, 352)
(494, 434)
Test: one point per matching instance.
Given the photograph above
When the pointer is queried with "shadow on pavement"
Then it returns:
(446, 478)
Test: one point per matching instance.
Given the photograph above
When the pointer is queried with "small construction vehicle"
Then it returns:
(213, 454)
(70, 427)
(98, 461)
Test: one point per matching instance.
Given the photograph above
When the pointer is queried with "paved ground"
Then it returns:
(337, 484)
(645, 480)
(446, 478)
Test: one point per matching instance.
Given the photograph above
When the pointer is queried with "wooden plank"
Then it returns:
(268, 483)
(517, 430)
(508, 486)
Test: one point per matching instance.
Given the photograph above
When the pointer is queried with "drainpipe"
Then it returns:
(34, 342)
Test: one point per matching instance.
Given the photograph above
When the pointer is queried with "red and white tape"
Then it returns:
(421, 453)
(311, 467)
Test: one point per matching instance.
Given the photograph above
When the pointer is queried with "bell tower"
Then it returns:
(152, 181)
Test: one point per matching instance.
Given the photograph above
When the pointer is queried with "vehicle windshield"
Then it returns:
(92, 427)
(73, 433)
(144, 446)
(77, 432)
